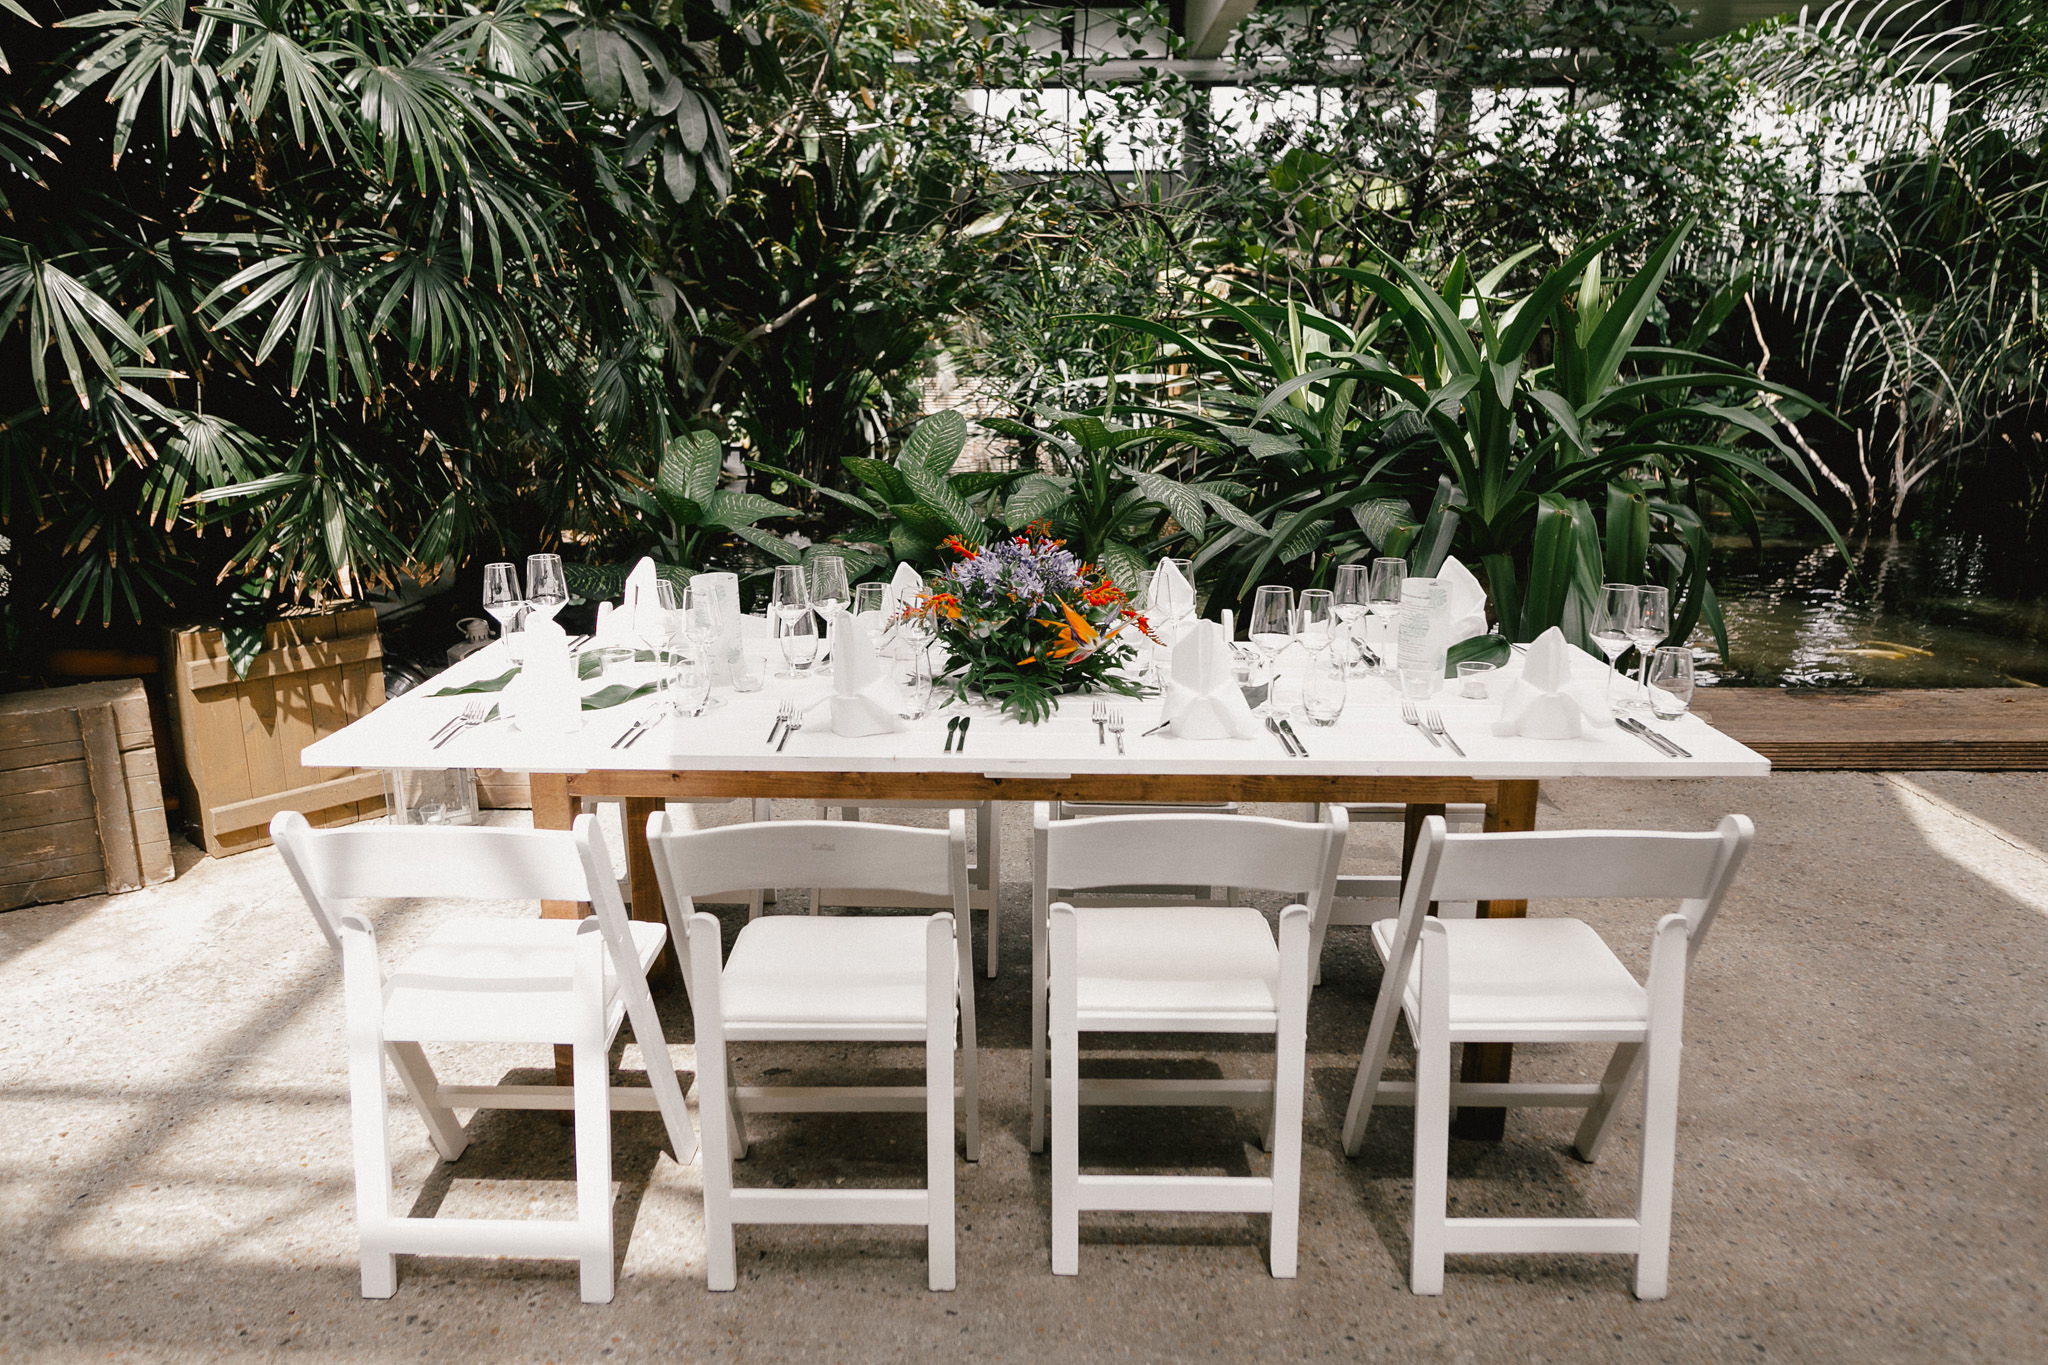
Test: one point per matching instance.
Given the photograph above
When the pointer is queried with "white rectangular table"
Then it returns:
(1370, 755)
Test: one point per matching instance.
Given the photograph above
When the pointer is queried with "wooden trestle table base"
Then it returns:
(1510, 805)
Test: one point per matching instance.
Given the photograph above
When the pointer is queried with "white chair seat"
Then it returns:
(492, 979)
(1148, 961)
(795, 970)
(1527, 974)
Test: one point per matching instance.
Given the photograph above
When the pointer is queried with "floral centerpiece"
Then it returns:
(1025, 622)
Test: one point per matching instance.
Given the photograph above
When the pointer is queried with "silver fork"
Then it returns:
(1436, 727)
(1116, 727)
(472, 714)
(1101, 718)
(1414, 718)
(782, 715)
(791, 726)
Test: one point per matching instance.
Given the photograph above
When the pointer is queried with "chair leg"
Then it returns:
(1432, 1118)
(1036, 1089)
(1066, 1101)
(594, 1168)
(1290, 1067)
(370, 1119)
(1660, 1107)
(714, 1108)
(970, 1062)
(1623, 1071)
(763, 809)
(942, 994)
(444, 1130)
(1372, 1063)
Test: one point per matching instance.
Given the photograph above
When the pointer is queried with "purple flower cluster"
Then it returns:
(1027, 571)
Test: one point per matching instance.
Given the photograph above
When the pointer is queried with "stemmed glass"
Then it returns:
(868, 598)
(1389, 572)
(1176, 610)
(1646, 630)
(789, 599)
(829, 593)
(1314, 616)
(1352, 600)
(501, 594)
(662, 621)
(547, 589)
(797, 633)
(700, 618)
(1272, 625)
(1611, 618)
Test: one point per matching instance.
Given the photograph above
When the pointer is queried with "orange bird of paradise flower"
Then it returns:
(1074, 640)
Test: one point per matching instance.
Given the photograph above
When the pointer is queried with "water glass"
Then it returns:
(547, 588)
(749, 672)
(798, 636)
(1475, 680)
(612, 660)
(686, 685)
(1323, 687)
(1671, 681)
(915, 683)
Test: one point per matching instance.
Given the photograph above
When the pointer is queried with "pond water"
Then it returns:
(1944, 610)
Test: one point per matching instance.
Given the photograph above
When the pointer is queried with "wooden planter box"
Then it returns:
(239, 739)
(81, 810)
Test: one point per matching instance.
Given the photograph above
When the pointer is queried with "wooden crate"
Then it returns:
(239, 739)
(81, 809)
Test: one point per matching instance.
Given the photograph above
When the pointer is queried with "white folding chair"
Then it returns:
(1547, 980)
(831, 979)
(1367, 898)
(1174, 969)
(488, 979)
(763, 809)
(1091, 810)
(984, 868)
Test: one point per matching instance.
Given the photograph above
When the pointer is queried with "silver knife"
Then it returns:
(1287, 727)
(1670, 745)
(1278, 734)
(1641, 732)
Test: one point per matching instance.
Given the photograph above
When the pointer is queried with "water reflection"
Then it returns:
(1941, 611)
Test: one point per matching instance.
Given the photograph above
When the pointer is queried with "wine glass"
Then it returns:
(547, 589)
(797, 633)
(789, 597)
(1271, 628)
(1383, 594)
(1611, 617)
(829, 593)
(1646, 630)
(700, 618)
(1315, 616)
(661, 621)
(1179, 608)
(1351, 600)
(501, 594)
(868, 599)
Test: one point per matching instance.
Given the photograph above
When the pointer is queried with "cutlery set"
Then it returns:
(1283, 731)
(1654, 739)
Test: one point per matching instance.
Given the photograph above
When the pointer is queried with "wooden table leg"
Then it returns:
(665, 974)
(1512, 809)
(1411, 833)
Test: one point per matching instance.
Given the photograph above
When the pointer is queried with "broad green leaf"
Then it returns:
(1491, 648)
(771, 544)
(1184, 503)
(1628, 531)
(933, 448)
(879, 475)
(729, 509)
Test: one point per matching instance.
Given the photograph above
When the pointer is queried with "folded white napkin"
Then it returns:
(905, 588)
(1546, 701)
(1170, 597)
(545, 699)
(632, 619)
(1202, 696)
(1468, 601)
(864, 700)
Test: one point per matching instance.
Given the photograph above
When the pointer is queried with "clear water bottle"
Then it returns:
(1424, 635)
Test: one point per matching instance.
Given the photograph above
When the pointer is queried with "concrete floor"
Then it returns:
(1860, 1155)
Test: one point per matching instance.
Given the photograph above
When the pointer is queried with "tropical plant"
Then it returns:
(311, 294)
(1906, 255)
(1563, 448)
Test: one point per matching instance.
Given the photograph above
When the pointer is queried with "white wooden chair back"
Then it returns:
(1178, 848)
(370, 862)
(1695, 870)
(873, 859)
